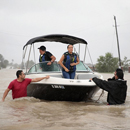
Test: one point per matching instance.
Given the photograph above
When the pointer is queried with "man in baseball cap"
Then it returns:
(43, 48)
(46, 55)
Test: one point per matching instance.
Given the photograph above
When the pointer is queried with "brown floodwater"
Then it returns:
(34, 114)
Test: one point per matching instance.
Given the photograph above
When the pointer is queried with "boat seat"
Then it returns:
(86, 76)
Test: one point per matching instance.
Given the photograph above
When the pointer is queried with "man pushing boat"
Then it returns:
(19, 85)
(116, 88)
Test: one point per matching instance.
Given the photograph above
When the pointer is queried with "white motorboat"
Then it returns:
(57, 88)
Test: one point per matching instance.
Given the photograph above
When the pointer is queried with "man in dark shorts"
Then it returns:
(46, 55)
(19, 85)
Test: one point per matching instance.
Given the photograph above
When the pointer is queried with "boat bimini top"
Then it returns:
(66, 39)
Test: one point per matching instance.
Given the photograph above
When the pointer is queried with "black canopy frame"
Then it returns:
(61, 38)
(66, 39)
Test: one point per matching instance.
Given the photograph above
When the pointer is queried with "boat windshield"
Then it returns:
(43, 67)
(82, 67)
(55, 67)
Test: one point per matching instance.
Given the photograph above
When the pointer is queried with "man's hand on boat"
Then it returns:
(47, 77)
(90, 80)
(49, 63)
(39, 79)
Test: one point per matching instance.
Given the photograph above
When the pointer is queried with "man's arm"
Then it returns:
(5, 94)
(39, 79)
(110, 79)
(108, 86)
(52, 60)
(61, 64)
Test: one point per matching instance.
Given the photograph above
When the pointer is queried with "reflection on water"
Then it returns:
(31, 114)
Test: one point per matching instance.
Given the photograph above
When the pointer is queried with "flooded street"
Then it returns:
(33, 114)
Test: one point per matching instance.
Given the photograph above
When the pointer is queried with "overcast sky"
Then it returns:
(92, 20)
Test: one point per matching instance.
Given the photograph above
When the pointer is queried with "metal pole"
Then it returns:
(76, 52)
(79, 50)
(34, 54)
(117, 42)
(23, 59)
(25, 52)
(34, 58)
(85, 53)
(28, 58)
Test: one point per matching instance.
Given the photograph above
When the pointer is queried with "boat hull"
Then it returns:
(61, 93)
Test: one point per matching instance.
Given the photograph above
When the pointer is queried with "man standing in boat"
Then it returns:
(19, 85)
(46, 55)
(116, 88)
(68, 62)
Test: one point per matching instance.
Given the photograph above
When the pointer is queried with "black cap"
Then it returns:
(43, 48)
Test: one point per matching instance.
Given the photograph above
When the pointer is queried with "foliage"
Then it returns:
(1, 58)
(3, 62)
(107, 63)
(125, 64)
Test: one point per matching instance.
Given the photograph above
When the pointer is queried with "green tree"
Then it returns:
(1, 58)
(125, 63)
(6, 62)
(107, 63)
(3, 62)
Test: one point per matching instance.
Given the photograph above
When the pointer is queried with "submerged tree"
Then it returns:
(107, 63)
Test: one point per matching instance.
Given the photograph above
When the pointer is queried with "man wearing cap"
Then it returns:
(46, 55)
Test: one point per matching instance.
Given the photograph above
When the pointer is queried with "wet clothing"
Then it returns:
(45, 57)
(68, 75)
(19, 89)
(113, 78)
(117, 90)
(70, 58)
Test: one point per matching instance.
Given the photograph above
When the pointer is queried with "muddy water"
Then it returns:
(34, 114)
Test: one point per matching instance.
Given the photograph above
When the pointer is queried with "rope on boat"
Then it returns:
(101, 95)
